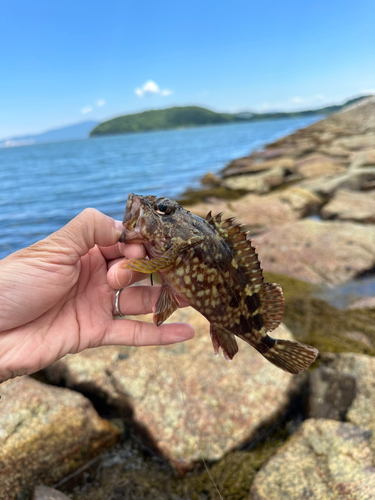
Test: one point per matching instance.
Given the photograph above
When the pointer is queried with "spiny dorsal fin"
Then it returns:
(209, 215)
(272, 305)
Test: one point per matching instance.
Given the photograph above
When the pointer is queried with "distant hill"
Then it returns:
(177, 117)
(191, 116)
(69, 133)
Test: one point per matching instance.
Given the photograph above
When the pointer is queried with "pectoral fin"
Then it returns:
(149, 266)
(226, 340)
(165, 305)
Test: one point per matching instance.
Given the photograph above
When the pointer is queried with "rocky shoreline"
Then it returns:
(308, 200)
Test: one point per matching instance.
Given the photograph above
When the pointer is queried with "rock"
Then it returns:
(251, 164)
(358, 370)
(351, 205)
(355, 180)
(363, 303)
(355, 142)
(213, 205)
(317, 165)
(331, 393)
(45, 433)
(211, 179)
(46, 493)
(257, 183)
(188, 403)
(325, 460)
(259, 212)
(318, 251)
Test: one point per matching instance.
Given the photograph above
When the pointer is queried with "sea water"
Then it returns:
(43, 186)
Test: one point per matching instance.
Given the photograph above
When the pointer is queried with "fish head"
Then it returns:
(158, 223)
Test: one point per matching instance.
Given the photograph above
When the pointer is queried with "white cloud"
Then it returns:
(368, 91)
(86, 109)
(149, 88)
(296, 99)
(100, 102)
(166, 92)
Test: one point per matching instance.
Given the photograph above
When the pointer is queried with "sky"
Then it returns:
(68, 61)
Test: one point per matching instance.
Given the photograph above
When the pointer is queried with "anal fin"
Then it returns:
(165, 305)
(226, 340)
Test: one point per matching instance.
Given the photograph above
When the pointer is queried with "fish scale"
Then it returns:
(211, 264)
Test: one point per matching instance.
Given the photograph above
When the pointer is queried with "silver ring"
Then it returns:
(116, 309)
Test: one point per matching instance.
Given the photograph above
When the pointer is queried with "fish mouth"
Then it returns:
(132, 221)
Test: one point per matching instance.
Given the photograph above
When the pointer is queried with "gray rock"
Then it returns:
(318, 251)
(189, 403)
(45, 493)
(323, 460)
(351, 206)
(45, 432)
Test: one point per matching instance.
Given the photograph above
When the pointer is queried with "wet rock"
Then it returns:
(46, 493)
(188, 403)
(45, 433)
(325, 460)
(351, 205)
(318, 251)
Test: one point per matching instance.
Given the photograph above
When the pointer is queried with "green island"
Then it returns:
(192, 116)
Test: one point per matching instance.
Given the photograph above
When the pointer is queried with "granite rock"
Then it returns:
(45, 433)
(325, 460)
(349, 205)
(318, 251)
(188, 403)
(357, 373)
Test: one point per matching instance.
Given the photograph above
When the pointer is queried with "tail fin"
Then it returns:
(290, 356)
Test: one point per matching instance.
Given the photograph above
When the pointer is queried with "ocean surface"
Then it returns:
(43, 186)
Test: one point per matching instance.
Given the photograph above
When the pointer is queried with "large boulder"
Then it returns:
(325, 460)
(188, 403)
(318, 251)
(351, 206)
(45, 433)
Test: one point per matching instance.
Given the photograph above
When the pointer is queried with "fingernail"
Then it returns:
(120, 285)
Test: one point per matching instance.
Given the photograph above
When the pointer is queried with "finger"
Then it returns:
(120, 278)
(139, 333)
(121, 250)
(82, 233)
(141, 299)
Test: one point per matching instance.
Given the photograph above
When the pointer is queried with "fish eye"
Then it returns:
(163, 207)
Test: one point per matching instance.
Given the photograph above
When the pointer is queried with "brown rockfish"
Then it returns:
(212, 265)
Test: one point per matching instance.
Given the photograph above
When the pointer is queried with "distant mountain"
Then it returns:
(69, 133)
(191, 116)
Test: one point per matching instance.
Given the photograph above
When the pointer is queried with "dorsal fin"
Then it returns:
(209, 215)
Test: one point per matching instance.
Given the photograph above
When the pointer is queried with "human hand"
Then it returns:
(57, 297)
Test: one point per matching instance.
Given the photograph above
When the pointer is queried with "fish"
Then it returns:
(212, 265)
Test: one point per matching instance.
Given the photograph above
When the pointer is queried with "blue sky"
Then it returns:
(64, 61)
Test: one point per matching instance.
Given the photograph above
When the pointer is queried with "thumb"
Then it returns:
(82, 233)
